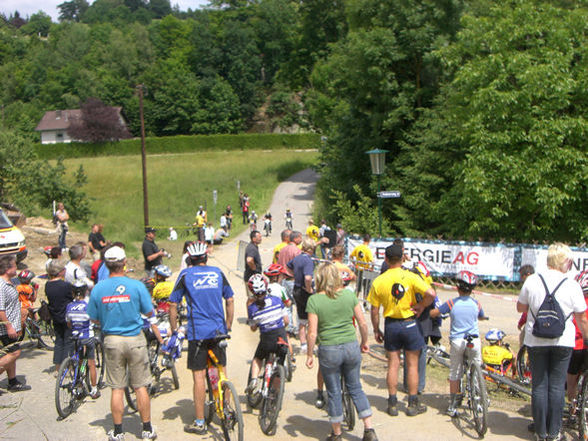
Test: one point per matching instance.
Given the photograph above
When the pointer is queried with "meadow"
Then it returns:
(177, 185)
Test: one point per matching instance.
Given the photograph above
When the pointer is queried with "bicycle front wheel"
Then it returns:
(46, 335)
(271, 405)
(478, 399)
(65, 388)
(232, 416)
(348, 408)
(254, 397)
(100, 366)
(523, 365)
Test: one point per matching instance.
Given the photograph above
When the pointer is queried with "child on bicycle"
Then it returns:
(162, 288)
(464, 312)
(497, 355)
(27, 294)
(268, 314)
(78, 320)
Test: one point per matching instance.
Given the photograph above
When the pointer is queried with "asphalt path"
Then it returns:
(32, 416)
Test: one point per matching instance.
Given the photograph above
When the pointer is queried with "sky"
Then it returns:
(29, 7)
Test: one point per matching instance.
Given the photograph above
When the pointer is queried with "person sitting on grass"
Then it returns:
(464, 312)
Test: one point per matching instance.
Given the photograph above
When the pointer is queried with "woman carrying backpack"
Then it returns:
(551, 298)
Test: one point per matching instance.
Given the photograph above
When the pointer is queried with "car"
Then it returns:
(12, 241)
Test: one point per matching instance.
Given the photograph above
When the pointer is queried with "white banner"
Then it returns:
(487, 261)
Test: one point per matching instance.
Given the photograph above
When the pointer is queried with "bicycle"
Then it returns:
(40, 330)
(271, 393)
(267, 227)
(73, 379)
(223, 399)
(523, 365)
(348, 407)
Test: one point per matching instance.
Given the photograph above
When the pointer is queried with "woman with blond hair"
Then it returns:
(330, 319)
(549, 357)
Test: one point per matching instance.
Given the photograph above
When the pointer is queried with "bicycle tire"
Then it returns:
(174, 374)
(523, 370)
(289, 367)
(500, 379)
(131, 398)
(209, 406)
(348, 407)
(45, 335)
(478, 399)
(253, 400)
(441, 357)
(100, 366)
(232, 419)
(271, 405)
(65, 388)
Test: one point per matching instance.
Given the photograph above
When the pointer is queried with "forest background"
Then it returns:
(481, 105)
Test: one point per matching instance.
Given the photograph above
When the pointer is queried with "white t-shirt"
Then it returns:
(74, 272)
(569, 296)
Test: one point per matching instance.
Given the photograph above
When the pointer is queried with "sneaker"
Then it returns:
(392, 409)
(369, 435)
(198, 429)
(415, 408)
(95, 393)
(146, 435)
(333, 437)
(559, 437)
(18, 387)
(319, 403)
(113, 437)
(451, 411)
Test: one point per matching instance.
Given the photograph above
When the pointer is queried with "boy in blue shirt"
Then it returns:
(464, 312)
(78, 320)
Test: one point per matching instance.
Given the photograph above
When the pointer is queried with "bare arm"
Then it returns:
(582, 322)
(250, 263)
(428, 298)
(311, 338)
(434, 313)
(9, 328)
(154, 255)
(375, 317)
(308, 283)
(230, 312)
(521, 307)
(173, 316)
(363, 329)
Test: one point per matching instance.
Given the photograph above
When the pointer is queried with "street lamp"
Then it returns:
(378, 163)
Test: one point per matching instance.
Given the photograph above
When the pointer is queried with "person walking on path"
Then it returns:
(61, 217)
(117, 304)
(252, 261)
(330, 321)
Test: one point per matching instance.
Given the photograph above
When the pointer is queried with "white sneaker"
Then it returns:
(113, 437)
(146, 436)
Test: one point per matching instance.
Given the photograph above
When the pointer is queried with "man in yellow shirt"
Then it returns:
(362, 255)
(312, 232)
(395, 291)
(285, 241)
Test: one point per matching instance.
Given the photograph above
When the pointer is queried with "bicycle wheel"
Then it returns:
(523, 366)
(271, 405)
(100, 366)
(254, 398)
(478, 399)
(232, 419)
(45, 335)
(348, 408)
(209, 406)
(65, 387)
(131, 398)
(289, 367)
(583, 411)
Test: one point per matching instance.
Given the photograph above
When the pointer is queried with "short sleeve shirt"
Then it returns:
(464, 312)
(268, 318)
(252, 250)
(313, 232)
(10, 305)
(148, 249)
(302, 266)
(95, 239)
(396, 291)
(77, 314)
(335, 317)
(286, 254)
(362, 255)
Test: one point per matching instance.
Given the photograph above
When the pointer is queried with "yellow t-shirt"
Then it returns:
(313, 232)
(277, 250)
(495, 354)
(362, 253)
(395, 290)
(199, 221)
(163, 290)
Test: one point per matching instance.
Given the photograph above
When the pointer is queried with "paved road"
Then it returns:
(32, 416)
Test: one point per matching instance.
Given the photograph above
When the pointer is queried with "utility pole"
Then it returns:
(143, 158)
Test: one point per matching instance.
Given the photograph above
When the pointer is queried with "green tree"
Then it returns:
(72, 10)
(38, 24)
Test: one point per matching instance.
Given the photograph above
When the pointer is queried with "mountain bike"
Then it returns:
(73, 379)
(223, 399)
(473, 386)
(267, 226)
(40, 330)
(348, 407)
(289, 223)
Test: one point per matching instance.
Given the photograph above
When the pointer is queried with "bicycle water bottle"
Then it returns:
(213, 376)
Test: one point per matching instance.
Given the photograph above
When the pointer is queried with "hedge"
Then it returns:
(180, 144)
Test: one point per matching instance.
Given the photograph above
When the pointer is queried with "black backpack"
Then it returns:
(550, 321)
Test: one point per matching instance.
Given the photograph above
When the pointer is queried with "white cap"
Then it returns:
(115, 254)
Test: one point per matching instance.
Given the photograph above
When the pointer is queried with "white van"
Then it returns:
(12, 241)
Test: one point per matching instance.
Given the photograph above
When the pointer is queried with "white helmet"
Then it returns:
(197, 250)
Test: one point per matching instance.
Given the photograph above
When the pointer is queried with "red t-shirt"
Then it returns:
(579, 338)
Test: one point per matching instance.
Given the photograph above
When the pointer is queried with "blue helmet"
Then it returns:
(494, 336)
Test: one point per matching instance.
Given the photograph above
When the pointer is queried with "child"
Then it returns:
(464, 312)
(27, 294)
(163, 288)
(496, 354)
(274, 274)
(78, 320)
(266, 313)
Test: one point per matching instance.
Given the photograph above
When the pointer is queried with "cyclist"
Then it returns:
(267, 223)
(274, 274)
(464, 312)
(496, 354)
(78, 320)
(204, 287)
(288, 217)
(253, 221)
(268, 314)
(163, 288)
(27, 294)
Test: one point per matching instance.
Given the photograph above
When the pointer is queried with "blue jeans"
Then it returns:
(289, 287)
(61, 240)
(549, 366)
(337, 360)
(63, 345)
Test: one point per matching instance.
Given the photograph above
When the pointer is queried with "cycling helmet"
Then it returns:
(163, 271)
(582, 279)
(25, 276)
(47, 250)
(494, 336)
(274, 270)
(466, 280)
(197, 250)
(149, 283)
(79, 288)
(257, 284)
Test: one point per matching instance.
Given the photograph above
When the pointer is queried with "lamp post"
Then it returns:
(378, 163)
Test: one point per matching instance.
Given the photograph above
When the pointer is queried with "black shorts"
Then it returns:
(8, 344)
(268, 343)
(576, 361)
(301, 299)
(198, 354)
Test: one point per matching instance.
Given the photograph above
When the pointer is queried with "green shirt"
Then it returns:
(335, 317)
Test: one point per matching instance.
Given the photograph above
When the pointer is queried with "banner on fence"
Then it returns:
(488, 261)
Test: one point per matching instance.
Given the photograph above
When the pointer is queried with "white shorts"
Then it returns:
(458, 347)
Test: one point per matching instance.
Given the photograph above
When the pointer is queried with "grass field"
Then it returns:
(178, 184)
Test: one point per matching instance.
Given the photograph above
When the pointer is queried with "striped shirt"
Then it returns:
(76, 313)
(10, 305)
(268, 318)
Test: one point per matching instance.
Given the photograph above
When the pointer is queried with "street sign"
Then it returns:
(389, 194)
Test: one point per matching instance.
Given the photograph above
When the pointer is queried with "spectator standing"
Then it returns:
(285, 236)
(361, 255)
(223, 222)
(252, 261)
(340, 235)
(346, 273)
(117, 304)
(73, 269)
(285, 255)
(173, 234)
(54, 254)
(524, 272)
(549, 357)
(96, 241)
(10, 327)
(151, 252)
(245, 209)
(59, 294)
(312, 231)
(204, 287)
(229, 216)
(61, 217)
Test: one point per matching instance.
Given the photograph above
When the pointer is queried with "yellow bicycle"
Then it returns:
(222, 396)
